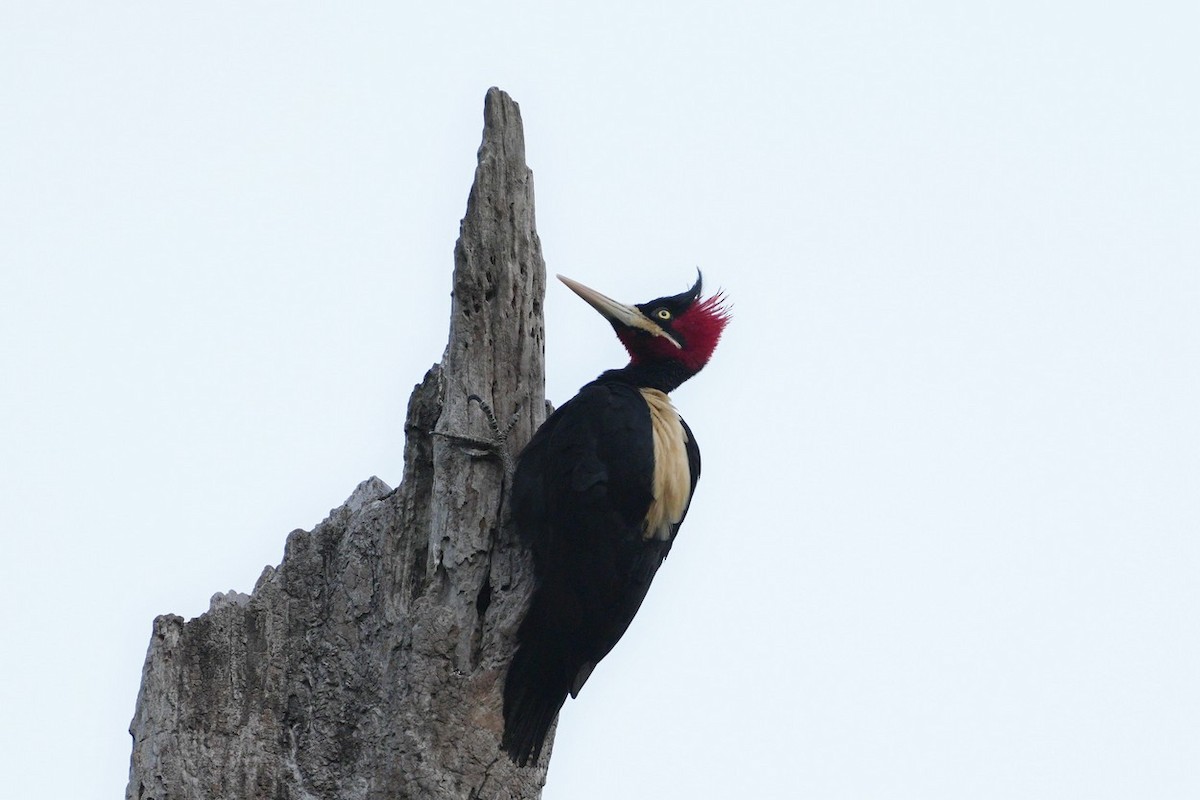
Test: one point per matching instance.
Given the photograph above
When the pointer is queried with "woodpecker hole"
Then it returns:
(484, 598)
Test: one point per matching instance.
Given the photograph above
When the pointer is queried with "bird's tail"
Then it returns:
(534, 691)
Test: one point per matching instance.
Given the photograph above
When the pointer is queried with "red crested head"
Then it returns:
(674, 332)
(692, 326)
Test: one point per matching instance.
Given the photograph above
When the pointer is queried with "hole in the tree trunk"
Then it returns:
(484, 599)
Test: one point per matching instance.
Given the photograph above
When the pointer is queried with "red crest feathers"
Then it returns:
(700, 328)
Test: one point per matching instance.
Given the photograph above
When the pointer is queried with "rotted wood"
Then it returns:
(370, 663)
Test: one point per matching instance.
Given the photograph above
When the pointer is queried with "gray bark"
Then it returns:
(370, 663)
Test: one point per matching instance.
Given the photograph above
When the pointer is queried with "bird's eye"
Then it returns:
(662, 313)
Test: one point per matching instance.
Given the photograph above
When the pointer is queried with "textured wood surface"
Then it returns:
(370, 663)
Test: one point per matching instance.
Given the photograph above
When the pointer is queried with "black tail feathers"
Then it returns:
(534, 691)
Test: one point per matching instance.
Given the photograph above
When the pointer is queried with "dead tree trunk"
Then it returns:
(370, 663)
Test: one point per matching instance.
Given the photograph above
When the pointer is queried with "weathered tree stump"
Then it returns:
(370, 663)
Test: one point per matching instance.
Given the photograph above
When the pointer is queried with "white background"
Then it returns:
(945, 544)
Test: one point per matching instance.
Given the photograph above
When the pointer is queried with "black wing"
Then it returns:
(594, 457)
(581, 491)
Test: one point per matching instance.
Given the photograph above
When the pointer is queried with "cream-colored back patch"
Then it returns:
(672, 479)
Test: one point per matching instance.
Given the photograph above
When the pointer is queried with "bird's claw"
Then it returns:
(497, 447)
(501, 434)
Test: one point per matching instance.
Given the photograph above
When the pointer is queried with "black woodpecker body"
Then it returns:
(599, 494)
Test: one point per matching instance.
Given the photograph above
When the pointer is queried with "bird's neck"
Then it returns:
(666, 376)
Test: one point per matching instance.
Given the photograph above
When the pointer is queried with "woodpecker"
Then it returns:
(598, 495)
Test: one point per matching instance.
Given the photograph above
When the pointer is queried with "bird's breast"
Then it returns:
(672, 484)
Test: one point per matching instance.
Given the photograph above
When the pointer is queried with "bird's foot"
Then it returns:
(497, 446)
(494, 423)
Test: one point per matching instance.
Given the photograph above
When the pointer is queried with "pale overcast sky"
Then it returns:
(946, 542)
